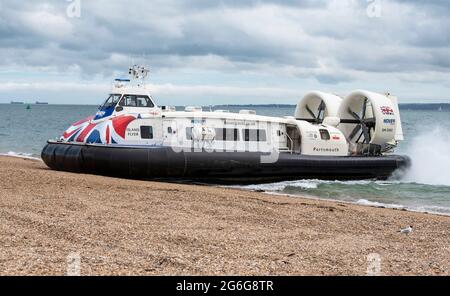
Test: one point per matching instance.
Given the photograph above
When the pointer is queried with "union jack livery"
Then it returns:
(108, 131)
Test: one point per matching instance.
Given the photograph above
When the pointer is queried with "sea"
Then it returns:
(424, 188)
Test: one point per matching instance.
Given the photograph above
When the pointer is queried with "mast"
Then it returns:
(138, 74)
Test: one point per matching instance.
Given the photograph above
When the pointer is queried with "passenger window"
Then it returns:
(146, 132)
(227, 134)
(324, 134)
(254, 135)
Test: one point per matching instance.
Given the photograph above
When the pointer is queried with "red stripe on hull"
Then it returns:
(107, 134)
(120, 124)
(85, 132)
(67, 135)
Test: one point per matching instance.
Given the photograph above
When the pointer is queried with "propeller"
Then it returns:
(364, 125)
(320, 112)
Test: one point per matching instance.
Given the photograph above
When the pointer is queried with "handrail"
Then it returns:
(292, 143)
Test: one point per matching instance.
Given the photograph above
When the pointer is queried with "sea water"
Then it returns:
(425, 187)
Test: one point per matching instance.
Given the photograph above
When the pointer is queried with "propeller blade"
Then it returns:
(363, 115)
(355, 131)
(366, 134)
(310, 112)
(321, 111)
(353, 114)
(321, 106)
(360, 135)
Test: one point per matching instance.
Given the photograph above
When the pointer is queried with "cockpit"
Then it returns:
(123, 103)
(136, 101)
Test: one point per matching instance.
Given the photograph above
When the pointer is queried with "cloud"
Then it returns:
(158, 89)
(52, 86)
(40, 20)
(330, 42)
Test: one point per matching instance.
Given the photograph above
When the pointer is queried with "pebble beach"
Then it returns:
(129, 227)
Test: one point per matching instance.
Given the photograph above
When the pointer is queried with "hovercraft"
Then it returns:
(328, 138)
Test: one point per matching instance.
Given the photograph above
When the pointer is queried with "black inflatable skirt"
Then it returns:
(213, 167)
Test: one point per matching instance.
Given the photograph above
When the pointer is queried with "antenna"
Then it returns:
(138, 73)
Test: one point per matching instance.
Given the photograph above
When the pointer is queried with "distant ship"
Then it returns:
(41, 103)
(17, 103)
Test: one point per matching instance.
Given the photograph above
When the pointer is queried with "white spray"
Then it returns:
(430, 157)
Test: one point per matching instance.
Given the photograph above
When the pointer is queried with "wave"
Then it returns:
(21, 155)
(365, 202)
(307, 184)
(388, 194)
(279, 186)
(438, 210)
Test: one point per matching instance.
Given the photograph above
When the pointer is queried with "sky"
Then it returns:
(210, 52)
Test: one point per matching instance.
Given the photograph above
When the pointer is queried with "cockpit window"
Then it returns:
(128, 100)
(144, 101)
(111, 101)
(136, 101)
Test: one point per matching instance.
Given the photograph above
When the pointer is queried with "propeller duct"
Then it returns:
(367, 118)
(315, 106)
